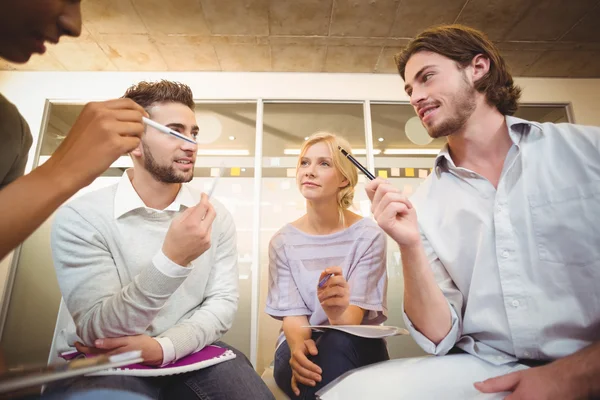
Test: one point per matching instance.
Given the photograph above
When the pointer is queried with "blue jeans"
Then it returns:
(233, 379)
(339, 352)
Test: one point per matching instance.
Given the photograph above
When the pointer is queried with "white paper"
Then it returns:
(366, 331)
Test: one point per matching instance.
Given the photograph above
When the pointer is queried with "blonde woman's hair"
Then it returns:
(340, 162)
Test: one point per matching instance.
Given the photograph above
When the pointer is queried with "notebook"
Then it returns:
(28, 377)
(365, 331)
(208, 356)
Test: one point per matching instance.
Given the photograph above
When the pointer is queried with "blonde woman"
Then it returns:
(329, 240)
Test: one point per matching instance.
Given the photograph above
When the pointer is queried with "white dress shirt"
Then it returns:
(520, 264)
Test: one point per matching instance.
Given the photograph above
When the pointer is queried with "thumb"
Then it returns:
(504, 383)
(311, 347)
(110, 343)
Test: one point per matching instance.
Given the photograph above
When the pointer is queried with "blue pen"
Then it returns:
(324, 280)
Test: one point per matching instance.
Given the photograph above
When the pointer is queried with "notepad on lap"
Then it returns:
(208, 356)
(365, 331)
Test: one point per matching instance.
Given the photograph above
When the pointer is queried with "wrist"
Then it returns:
(59, 182)
(175, 258)
(337, 319)
(412, 247)
(62, 179)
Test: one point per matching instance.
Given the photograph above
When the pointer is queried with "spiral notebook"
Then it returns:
(208, 356)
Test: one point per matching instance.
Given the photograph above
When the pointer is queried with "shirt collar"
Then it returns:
(517, 128)
(127, 199)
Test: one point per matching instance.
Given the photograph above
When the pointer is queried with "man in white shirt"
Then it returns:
(151, 264)
(504, 259)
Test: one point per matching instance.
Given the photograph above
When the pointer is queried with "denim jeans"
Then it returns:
(339, 352)
(233, 379)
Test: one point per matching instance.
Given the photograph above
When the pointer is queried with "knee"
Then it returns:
(333, 339)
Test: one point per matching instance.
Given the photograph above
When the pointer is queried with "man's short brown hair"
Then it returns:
(148, 93)
(461, 44)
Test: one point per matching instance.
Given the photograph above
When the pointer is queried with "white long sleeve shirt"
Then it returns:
(117, 282)
(520, 264)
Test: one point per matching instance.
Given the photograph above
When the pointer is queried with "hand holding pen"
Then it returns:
(334, 293)
(189, 235)
(392, 210)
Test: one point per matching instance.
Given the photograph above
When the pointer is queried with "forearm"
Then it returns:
(27, 202)
(205, 326)
(99, 305)
(352, 316)
(130, 311)
(424, 302)
(295, 331)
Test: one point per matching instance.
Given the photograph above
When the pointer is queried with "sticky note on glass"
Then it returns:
(235, 171)
(290, 172)
(409, 171)
(423, 173)
(382, 173)
(215, 171)
(395, 171)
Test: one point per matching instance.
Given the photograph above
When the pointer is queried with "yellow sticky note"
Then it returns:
(235, 171)
(409, 171)
(382, 173)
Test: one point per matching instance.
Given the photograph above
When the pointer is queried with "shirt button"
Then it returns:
(505, 254)
(515, 303)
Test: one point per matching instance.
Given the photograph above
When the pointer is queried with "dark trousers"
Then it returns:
(339, 352)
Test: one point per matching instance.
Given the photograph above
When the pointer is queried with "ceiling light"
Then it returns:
(380, 139)
(291, 152)
(222, 152)
(231, 137)
(396, 152)
(306, 138)
(362, 152)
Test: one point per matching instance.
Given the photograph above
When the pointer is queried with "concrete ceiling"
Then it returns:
(542, 38)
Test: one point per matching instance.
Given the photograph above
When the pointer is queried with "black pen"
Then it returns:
(356, 163)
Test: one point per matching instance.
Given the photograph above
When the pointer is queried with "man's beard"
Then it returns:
(165, 174)
(463, 105)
